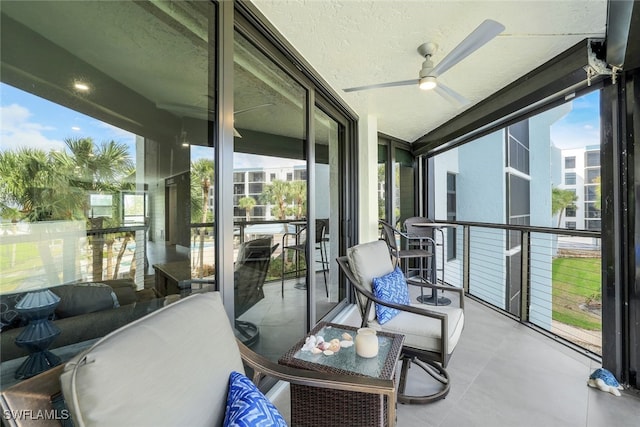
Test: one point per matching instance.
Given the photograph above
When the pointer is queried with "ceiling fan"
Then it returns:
(428, 76)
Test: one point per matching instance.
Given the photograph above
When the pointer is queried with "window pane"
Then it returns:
(116, 99)
(570, 178)
(404, 196)
(270, 142)
(593, 158)
(570, 162)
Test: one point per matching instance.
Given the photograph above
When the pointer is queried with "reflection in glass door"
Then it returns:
(327, 291)
(270, 203)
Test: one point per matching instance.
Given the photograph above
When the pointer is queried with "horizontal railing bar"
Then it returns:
(529, 228)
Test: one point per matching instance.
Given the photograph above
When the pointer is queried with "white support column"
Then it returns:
(368, 173)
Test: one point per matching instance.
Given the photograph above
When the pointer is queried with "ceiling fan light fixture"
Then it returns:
(427, 83)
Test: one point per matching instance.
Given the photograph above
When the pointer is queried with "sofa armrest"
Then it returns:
(23, 403)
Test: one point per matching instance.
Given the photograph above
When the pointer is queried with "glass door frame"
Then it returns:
(244, 18)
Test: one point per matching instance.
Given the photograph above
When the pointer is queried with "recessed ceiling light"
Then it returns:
(81, 86)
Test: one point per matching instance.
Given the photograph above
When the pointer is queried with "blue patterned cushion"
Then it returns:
(247, 406)
(391, 287)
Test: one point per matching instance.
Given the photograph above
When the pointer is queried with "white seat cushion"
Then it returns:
(424, 332)
(169, 368)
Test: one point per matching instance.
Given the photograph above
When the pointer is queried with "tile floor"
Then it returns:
(502, 373)
(506, 374)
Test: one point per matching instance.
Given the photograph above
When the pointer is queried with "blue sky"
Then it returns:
(30, 121)
(581, 127)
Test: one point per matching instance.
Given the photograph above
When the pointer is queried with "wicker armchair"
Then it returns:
(431, 333)
(169, 368)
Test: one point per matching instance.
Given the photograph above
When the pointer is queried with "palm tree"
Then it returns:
(561, 200)
(33, 182)
(98, 168)
(247, 203)
(298, 194)
(202, 176)
(276, 194)
(53, 186)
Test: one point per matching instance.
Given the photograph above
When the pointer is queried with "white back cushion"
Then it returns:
(367, 261)
(169, 368)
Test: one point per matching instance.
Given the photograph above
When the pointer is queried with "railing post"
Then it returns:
(466, 238)
(525, 283)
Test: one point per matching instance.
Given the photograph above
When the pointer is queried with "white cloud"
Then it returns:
(115, 132)
(575, 135)
(16, 131)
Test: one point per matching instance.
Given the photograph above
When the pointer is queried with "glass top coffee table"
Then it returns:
(333, 407)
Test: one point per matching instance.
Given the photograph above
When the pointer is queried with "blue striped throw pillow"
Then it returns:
(248, 407)
(391, 287)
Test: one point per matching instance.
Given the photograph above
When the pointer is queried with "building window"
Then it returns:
(272, 177)
(256, 176)
(570, 178)
(570, 162)
(238, 177)
(300, 175)
(592, 158)
(593, 225)
(518, 156)
(590, 210)
(592, 176)
(289, 176)
(570, 212)
(590, 193)
(451, 215)
(256, 188)
(571, 225)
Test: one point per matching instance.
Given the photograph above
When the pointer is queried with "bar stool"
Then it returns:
(423, 254)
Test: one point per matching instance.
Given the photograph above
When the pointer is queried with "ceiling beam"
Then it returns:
(564, 71)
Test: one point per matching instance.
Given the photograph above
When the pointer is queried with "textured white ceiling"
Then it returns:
(360, 42)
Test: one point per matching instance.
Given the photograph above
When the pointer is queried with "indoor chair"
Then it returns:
(431, 332)
(297, 242)
(170, 368)
(249, 274)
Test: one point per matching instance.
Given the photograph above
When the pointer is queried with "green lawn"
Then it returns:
(574, 281)
(16, 264)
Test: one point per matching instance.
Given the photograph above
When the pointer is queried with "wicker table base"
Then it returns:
(315, 407)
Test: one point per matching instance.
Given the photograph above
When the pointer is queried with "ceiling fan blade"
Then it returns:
(245, 110)
(183, 109)
(478, 38)
(380, 85)
(451, 95)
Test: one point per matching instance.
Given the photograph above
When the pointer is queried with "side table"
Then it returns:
(316, 407)
(169, 275)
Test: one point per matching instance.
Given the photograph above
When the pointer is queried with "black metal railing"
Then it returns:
(546, 277)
